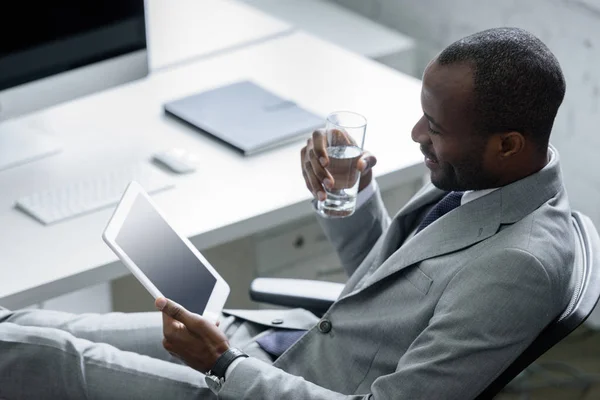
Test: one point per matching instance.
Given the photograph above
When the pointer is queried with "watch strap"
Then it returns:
(225, 360)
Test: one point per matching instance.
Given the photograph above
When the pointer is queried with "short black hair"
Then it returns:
(518, 82)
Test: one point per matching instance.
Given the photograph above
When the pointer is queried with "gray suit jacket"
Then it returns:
(436, 317)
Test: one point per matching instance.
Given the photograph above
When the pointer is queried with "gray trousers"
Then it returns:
(55, 355)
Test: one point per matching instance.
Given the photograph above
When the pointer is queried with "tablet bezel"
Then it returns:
(220, 291)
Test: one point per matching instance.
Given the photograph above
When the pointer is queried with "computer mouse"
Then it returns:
(177, 160)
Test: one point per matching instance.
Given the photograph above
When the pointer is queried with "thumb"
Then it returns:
(173, 310)
(366, 162)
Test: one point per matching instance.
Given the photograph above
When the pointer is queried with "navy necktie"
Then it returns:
(444, 206)
(275, 343)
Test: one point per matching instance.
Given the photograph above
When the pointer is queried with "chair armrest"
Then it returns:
(315, 296)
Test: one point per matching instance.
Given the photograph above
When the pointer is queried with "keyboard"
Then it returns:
(91, 194)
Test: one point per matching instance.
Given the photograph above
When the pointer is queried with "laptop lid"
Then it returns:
(246, 116)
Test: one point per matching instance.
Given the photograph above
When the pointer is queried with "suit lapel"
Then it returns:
(402, 222)
(395, 233)
(460, 228)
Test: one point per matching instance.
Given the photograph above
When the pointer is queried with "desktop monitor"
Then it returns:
(55, 51)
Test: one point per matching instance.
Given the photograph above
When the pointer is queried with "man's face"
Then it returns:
(457, 155)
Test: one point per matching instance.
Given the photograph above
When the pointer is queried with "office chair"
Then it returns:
(317, 296)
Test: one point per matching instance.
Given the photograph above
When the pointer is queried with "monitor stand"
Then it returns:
(20, 145)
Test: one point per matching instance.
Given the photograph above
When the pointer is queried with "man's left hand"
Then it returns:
(198, 342)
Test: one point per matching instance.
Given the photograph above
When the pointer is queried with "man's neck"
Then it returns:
(525, 169)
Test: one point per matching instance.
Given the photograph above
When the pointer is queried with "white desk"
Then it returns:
(181, 30)
(230, 196)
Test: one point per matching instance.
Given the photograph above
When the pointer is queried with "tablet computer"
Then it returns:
(165, 262)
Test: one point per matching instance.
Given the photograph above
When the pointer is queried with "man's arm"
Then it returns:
(489, 313)
(253, 379)
(355, 236)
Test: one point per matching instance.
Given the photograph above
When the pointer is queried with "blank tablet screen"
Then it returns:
(161, 255)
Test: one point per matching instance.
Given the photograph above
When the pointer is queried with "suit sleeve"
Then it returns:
(253, 379)
(353, 237)
(489, 313)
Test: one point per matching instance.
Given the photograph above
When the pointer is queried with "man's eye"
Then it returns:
(433, 132)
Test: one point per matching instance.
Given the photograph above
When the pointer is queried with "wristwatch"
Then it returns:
(215, 378)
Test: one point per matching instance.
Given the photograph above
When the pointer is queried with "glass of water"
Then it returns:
(345, 132)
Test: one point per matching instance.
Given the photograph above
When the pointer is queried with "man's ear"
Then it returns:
(511, 143)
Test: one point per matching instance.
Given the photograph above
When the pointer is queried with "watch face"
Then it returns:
(214, 383)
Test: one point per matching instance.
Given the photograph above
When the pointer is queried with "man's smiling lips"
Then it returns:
(430, 161)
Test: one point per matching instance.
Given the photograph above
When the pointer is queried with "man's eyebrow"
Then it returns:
(430, 119)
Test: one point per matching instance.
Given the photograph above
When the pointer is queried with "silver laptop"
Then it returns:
(245, 116)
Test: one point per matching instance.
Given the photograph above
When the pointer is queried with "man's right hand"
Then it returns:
(314, 161)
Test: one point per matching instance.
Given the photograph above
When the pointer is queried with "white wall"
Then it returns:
(571, 28)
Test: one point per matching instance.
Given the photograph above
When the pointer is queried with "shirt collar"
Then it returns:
(471, 195)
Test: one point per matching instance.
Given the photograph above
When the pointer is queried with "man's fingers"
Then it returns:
(305, 165)
(174, 310)
(319, 141)
(302, 157)
(168, 347)
(366, 162)
(315, 159)
(321, 173)
(171, 327)
(340, 137)
(315, 185)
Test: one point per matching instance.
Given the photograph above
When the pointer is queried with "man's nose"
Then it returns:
(419, 132)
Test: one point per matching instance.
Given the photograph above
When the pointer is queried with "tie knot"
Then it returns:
(448, 203)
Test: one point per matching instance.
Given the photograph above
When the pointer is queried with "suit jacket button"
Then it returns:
(277, 321)
(324, 326)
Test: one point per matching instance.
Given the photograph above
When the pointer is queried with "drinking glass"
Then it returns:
(345, 132)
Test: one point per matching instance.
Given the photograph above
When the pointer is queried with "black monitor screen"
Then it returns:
(43, 38)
